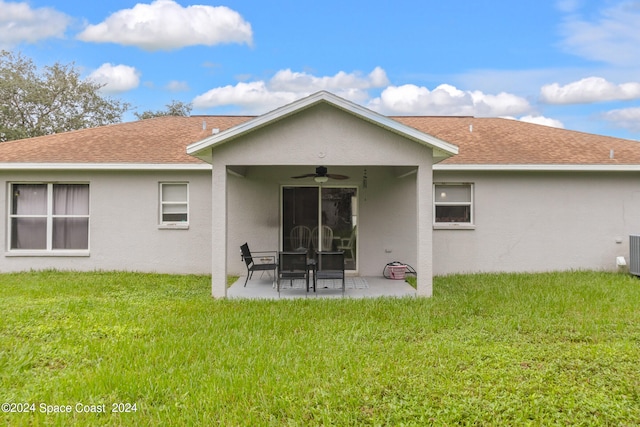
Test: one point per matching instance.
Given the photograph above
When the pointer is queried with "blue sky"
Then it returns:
(566, 63)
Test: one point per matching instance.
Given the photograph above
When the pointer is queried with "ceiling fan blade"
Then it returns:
(321, 171)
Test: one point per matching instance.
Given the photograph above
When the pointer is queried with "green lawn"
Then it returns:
(545, 349)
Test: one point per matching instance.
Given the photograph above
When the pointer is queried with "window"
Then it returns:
(174, 203)
(49, 217)
(453, 203)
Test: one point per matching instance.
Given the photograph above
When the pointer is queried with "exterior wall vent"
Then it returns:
(634, 254)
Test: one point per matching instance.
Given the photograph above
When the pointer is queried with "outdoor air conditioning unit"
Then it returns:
(634, 254)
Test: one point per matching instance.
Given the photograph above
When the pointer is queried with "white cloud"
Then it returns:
(497, 105)
(302, 82)
(568, 5)
(542, 120)
(447, 100)
(253, 97)
(286, 86)
(116, 78)
(166, 25)
(625, 118)
(613, 37)
(590, 89)
(19, 23)
(176, 86)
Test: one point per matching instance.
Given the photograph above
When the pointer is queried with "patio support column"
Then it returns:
(219, 231)
(424, 267)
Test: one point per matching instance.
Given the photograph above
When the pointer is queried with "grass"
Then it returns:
(507, 349)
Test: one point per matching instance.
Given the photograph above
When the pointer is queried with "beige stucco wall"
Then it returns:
(124, 218)
(541, 221)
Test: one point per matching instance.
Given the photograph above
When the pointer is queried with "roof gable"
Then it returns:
(441, 149)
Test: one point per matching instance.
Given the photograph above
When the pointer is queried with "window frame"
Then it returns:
(470, 204)
(170, 225)
(49, 217)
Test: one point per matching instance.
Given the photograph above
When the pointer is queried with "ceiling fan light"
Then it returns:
(321, 179)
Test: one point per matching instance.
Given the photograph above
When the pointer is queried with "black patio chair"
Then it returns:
(329, 265)
(291, 266)
(267, 261)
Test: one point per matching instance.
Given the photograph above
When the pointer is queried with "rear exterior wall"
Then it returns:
(541, 221)
(124, 223)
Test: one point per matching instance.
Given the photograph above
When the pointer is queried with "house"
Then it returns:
(443, 194)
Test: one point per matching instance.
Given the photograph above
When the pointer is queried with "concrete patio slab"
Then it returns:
(356, 287)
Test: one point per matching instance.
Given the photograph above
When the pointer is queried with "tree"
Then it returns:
(55, 99)
(174, 108)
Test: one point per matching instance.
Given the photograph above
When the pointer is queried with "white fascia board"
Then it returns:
(538, 168)
(441, 148)
(103, 166)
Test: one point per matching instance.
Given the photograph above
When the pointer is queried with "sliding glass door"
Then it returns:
(299, 217)
(320, 218)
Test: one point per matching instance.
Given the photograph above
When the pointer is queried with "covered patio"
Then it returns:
(356, 287)
(263, 184)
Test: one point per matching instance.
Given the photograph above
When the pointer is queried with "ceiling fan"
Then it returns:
(321, 175)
